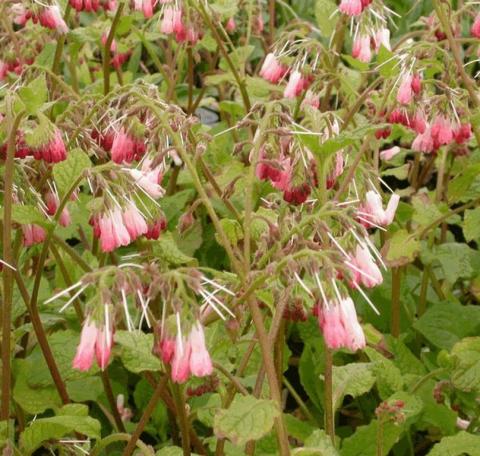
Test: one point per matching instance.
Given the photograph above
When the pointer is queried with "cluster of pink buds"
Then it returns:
(118, 58)
(145, 6)
(116, 227)
(353, 7)
(173, 23)
(364, 44)
(127, 145)
(94, 342)
(93, 5)
(51, 17)
(46, 143)
(187, 355)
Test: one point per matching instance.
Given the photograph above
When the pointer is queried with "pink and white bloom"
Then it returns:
(272, 70)
(355, 338)
(149, 179)
(181, 360)
(405, 92)
(388, 154)
(200, 361)
(424, 141)
(112, 231)
(166, 348)
(311, 99)
(331, 324)
(86, 348)
(295, 85)
(442, 131)
(51, 17)
(53, 150)
(146, 6)
(103, 347)
(134, 221)
(382, 38)
(172, 21)
(361, 48)
(372, 209)
(363, 260)
(230, 26)
(351, 7)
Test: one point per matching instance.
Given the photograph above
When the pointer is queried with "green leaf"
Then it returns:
(400, 249)
(353, 379)
(85, 389)
(68, 171)
(323, 13)
(386, 61)
(441, 329)
(318, 444)
(247, 418)
(389, 377)
(232, 229)
(466, 364)
(44, 429)
(34, 95)
(458, 186)
(26, 214)
(296, 428)
(136, 351)
(32, 399)
(457, 445)
(167, 250)
(471, 224)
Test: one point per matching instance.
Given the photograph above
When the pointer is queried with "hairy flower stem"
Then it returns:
(57, 59)
(328, 381)
(396, 302)
(99, 448)
(147, 413)
(240, 81)
(8, 273)
(271, 24)
(182, 417)
(106, 49)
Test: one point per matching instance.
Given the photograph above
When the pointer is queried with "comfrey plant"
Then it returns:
(239, 227)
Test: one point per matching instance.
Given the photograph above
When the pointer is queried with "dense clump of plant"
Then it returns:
(240, 227)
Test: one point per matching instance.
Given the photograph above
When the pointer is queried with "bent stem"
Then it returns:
(6, 309)
(182, 418)
(395, 329)
(328, 398)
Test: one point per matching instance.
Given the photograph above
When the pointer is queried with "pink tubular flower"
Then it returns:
(388, 154)
(113, 232)
(146, 6)
(172, 21)
(85, 5)
(123, 147)
(405, 92)
(296, 194)
(361, 49)
(337, 170)
(20, 14)
(295, 85)
(370, 275)
(382, 38)
(181, 360)
(330, 322)
(32, 234)
(475, 30)
(416, 84)
(372, 209)
(51, 18)
(272, 70)
(134, 221)
(86, 348)
(200, 361)
(351, 7)
(442, 131)
(424, 141)
(52, 201)
(103, 347)
(355, 338)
